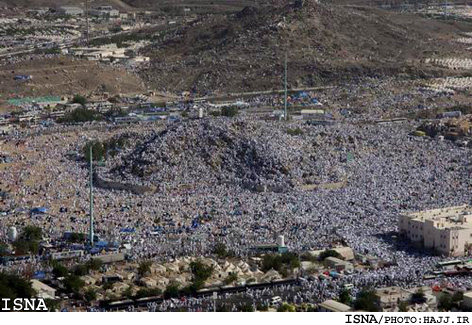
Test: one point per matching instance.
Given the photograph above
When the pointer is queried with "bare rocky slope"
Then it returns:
(323, 42)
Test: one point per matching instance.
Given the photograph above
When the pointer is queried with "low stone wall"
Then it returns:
(117, 186)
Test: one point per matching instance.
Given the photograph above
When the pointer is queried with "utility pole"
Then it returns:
(215, 296)
(91, 199)
(285, 97)
(87, 21)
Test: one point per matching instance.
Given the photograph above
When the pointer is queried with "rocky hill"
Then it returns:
(323, 42)
(223, 151)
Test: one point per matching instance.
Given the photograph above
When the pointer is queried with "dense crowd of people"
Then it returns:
(196, 206)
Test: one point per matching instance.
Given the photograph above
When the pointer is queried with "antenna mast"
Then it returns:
(285, 97)
(87, 21)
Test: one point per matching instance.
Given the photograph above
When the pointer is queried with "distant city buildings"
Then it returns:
(447, 231)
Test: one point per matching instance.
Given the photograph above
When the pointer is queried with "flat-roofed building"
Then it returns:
(447, 231)
(391, 296)
(333, 306)
(388, 298)
(104, 11)
(43, 290)
(70, 11)
(338, 264)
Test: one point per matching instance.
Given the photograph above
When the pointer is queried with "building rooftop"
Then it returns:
(455, 217)
(335, 306)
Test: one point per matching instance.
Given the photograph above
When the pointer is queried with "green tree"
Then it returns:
(172, 290)
(230, 279)
(457, 296)
(3, 249)
(145, 292)
(28, 241)
(367, 301)
(214, 113)
(32, 233)
(329, 253)
(13, 286)
(345, 297)
(418, 297)
(445, 303)
(128, 293)
(230, 111)
(73, 284)
(107, 286)
(90, 295)
(81, 270)
(144, 268)
(295, 132)
(77, 237)
(200, 271)
(223, 309)
(286, 308)
(262, 307)
(52, 305)
(281, 263)
(403, 306)
(247, 308)
(193, 287)
(220, 250)
(95, 264)
(81, 115)
(22, 247)
(79, 99)
(59, 270)
(98, 151)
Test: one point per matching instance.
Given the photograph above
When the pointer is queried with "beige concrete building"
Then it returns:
(388, 298)
(43, 290)
(338, 264)
(333, 306)
(447, 231)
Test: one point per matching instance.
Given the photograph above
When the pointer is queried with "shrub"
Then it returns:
(144, 292)
(295, 132)
(230, 278)
(144, 268)
(329, 253)
(220, 250)
(80, 115)
(78, 99)
(172, 291)
(231, 111)
(200, 271)
(366, 300)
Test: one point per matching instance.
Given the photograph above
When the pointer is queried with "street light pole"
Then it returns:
(285, 97)
(91, 234)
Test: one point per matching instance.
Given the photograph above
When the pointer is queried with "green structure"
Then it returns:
(31, 100)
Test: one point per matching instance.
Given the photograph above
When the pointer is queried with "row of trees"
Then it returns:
(102, 150)
(71, 278)
(282, 263)
(81, 115)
